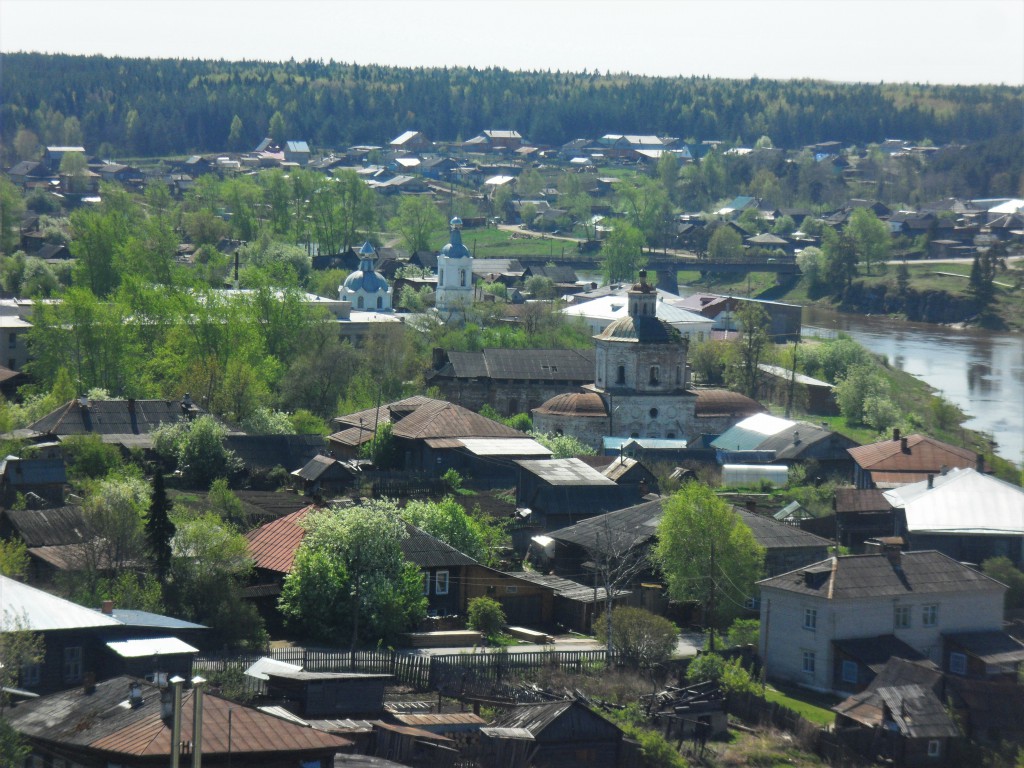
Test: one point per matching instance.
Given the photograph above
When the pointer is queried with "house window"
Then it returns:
(511, 590)
(73, 664)
(621, 376)
(901, 617)
(12, 340)
(850, 672)
(441, 583)
(957, 663)
(31, 675)
(934, 748)
(811, 618)
(655, 375)
(930, 615)
(440, 277)
(808, 665)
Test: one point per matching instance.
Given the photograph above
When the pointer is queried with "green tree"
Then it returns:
(14, 560)
(840, 259)
(351, 561)
(418, 222)
(725, 245)
(859, 386)
(88, 457)
(707, 554)
(753, 320)
(563, 446)
(730, 675)
(1002, 569)
(73, 168)
(209, 566)
(197, 448)
(643, 638)
(276, 128)
(12, 206)
(486, 616)
(623, 253)
(870, 236)
(159, 528)
(541, 287)
(235, 138)
(447, 520)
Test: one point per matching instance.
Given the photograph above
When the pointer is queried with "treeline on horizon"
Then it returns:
(163, 107)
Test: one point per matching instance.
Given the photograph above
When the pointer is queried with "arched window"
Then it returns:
(462, 278)
(655, 375)
(654, 413)
(440, 277)
(359, 303)
(380, 302)
(679, 374)
(621, 378)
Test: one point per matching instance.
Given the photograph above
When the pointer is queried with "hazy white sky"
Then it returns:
(934, 41)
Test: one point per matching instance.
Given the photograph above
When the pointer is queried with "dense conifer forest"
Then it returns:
(159, 107)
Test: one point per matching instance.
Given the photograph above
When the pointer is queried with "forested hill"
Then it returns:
(147, 107)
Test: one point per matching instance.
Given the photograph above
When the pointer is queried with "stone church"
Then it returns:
(641, 385)
(454, 274)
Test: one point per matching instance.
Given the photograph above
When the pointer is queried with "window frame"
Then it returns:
(74, 662)
(843, 672)
(902, 616)
(934, 748)
(811, 619)
(809, 662)
(957, 663)
(442, 577)
(930, 615)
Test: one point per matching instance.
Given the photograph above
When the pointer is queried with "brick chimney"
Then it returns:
(979, 462)
(896, 433)
(108, 607)
(904, 448)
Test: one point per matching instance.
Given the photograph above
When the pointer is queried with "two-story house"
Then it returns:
(903, 603)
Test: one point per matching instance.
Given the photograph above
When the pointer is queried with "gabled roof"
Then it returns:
(439, 418)
(875, 652)
(26, 607)
(316, 467)
(105, 721)
(773, 535)
(991, 647)
(637, 524)
(48, 527)
(922, 454)
(516, 364)
(383, 415)
(962, 501)
(564, 472)
(852, 577)
(918, 712)
(860, 500)
(751, 432)
(111, 417)
(273, 546)
(537, 717)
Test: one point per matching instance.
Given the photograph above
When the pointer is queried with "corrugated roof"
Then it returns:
(857, 576)
(563, 472)
(771, 534)
(524, 364)
(962, 501)
(918, 712)
(40, 611)
(135, 618)
(502, 446)
(567, 588)
(751, 432)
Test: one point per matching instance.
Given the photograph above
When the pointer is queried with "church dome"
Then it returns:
(643, 328)
(455, 249)
(574, 404)
(722, 402)
(366, 279)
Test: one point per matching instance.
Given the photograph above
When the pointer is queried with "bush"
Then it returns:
(729, 675)
(743, 632)
(486, 615)
(642, 638)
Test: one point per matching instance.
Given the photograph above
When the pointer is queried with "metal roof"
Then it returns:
(529, 364)
(920, 454)
(962, 501)
(918, 712)
(109, 417)
(262, 666)
(135, 618)
(152, 646)
(48, 527)
(565, 472)
(502, 446)
(787, 374)
(751, 432)
(40, 611)
(852, 577)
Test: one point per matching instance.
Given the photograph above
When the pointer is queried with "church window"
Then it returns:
(621, 375)
(655, 375)
(671, 435)
(679, 374)
(654, 413)
(440, 277)
(380, 302)
(462, 278)
(359, 303)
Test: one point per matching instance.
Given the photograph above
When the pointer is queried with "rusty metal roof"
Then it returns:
(920, 454)
(273, 545)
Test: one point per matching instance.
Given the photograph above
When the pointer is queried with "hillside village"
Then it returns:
(285, 457)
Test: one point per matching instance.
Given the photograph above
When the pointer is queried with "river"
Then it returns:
(980, 371)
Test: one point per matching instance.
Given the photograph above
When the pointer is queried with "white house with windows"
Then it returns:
(822, 626)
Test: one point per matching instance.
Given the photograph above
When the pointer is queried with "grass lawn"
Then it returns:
(499, 244)
(810, 705)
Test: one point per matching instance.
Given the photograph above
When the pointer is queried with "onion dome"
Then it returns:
(365, 279)
(586, 404)
(455, 249)
(644, 328)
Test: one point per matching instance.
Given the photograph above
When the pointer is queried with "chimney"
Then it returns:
(197, 721)
(83, 401)
(979, 462)
(131, 405)
(931, 481)
(176, 721)
(89, 683)
(796, 438)
(108, 607)
(135, 695)
(895, 433)
(893, 554)
(903, 445)
(943, 470)
(166, 703)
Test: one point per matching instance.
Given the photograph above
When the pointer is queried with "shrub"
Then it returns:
(642, 638)
(730, 675)
(486, 615)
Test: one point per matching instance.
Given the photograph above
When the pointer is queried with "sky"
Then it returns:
(923, 41)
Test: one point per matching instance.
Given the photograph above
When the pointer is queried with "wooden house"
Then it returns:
(566, 733)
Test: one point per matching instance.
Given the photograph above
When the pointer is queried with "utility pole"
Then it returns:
(711, 600)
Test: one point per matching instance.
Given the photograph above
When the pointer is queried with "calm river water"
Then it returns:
(982, 372)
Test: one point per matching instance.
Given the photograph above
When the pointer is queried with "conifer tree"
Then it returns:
(159, 528)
